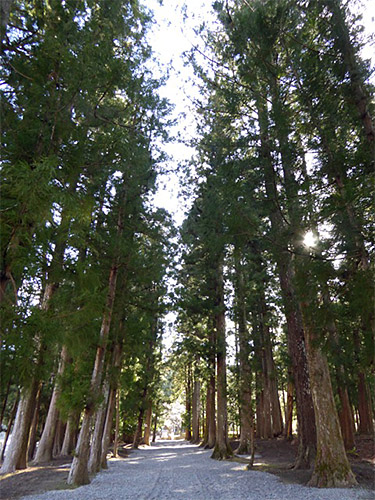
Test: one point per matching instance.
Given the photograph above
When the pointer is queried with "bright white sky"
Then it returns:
(170, 38)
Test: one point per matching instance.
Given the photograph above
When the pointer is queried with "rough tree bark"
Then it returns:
(148, 420)
(16, 456)
(210, 434)
(59, 438)
(117, 358)
(331, 468)
(5, 401)
(246, 442)
(94, 463)
(70, 436)
(117, 425)
(296, 340)
(273, 418)
(346, 416)
(366, 425)
(222, 449)
(195, 407)
(34, 426)
(188, 402)
(108, 428)
(45, 447)
(155, 426)
(288, 430)
(78, 474)
(9, 426)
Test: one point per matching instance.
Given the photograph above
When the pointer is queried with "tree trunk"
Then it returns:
(97, 437)
(196, 410)
(271, 402)
(222, 449)
(259, 407)
(147, 431)
(9, 426)
(59, 438)
(203, 421)
(289, 411)
(70, 435)
(117, 424)
(108, 428)
(45, 447)
(211, 399)
(16, 456)
(296, 340)
(331, 469)
(117, 357)
(138, 432)
(366, 425)
(78, 474)
(188, 402)
(155, 428)
(346, 418)
(5, 400)
(34, 426)
(358, 94)
(245, 374)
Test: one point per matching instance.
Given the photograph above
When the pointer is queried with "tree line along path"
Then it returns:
(268, 281)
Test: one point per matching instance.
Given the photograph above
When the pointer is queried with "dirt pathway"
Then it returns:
(174, 470)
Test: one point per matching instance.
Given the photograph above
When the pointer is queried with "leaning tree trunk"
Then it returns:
(9, 426)
(71, 432)
(31, 446)
(108, 428)
(5, 401)
(45, 447)
(16, 456)
(222, 449)
(117, 357)
(97, 437)
(78, 474)
(59, 438)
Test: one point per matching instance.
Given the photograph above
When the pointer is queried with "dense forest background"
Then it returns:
(275, 253)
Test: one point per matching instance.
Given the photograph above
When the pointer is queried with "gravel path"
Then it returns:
(176, 470)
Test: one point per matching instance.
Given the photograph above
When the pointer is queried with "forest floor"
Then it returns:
(272, 456)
